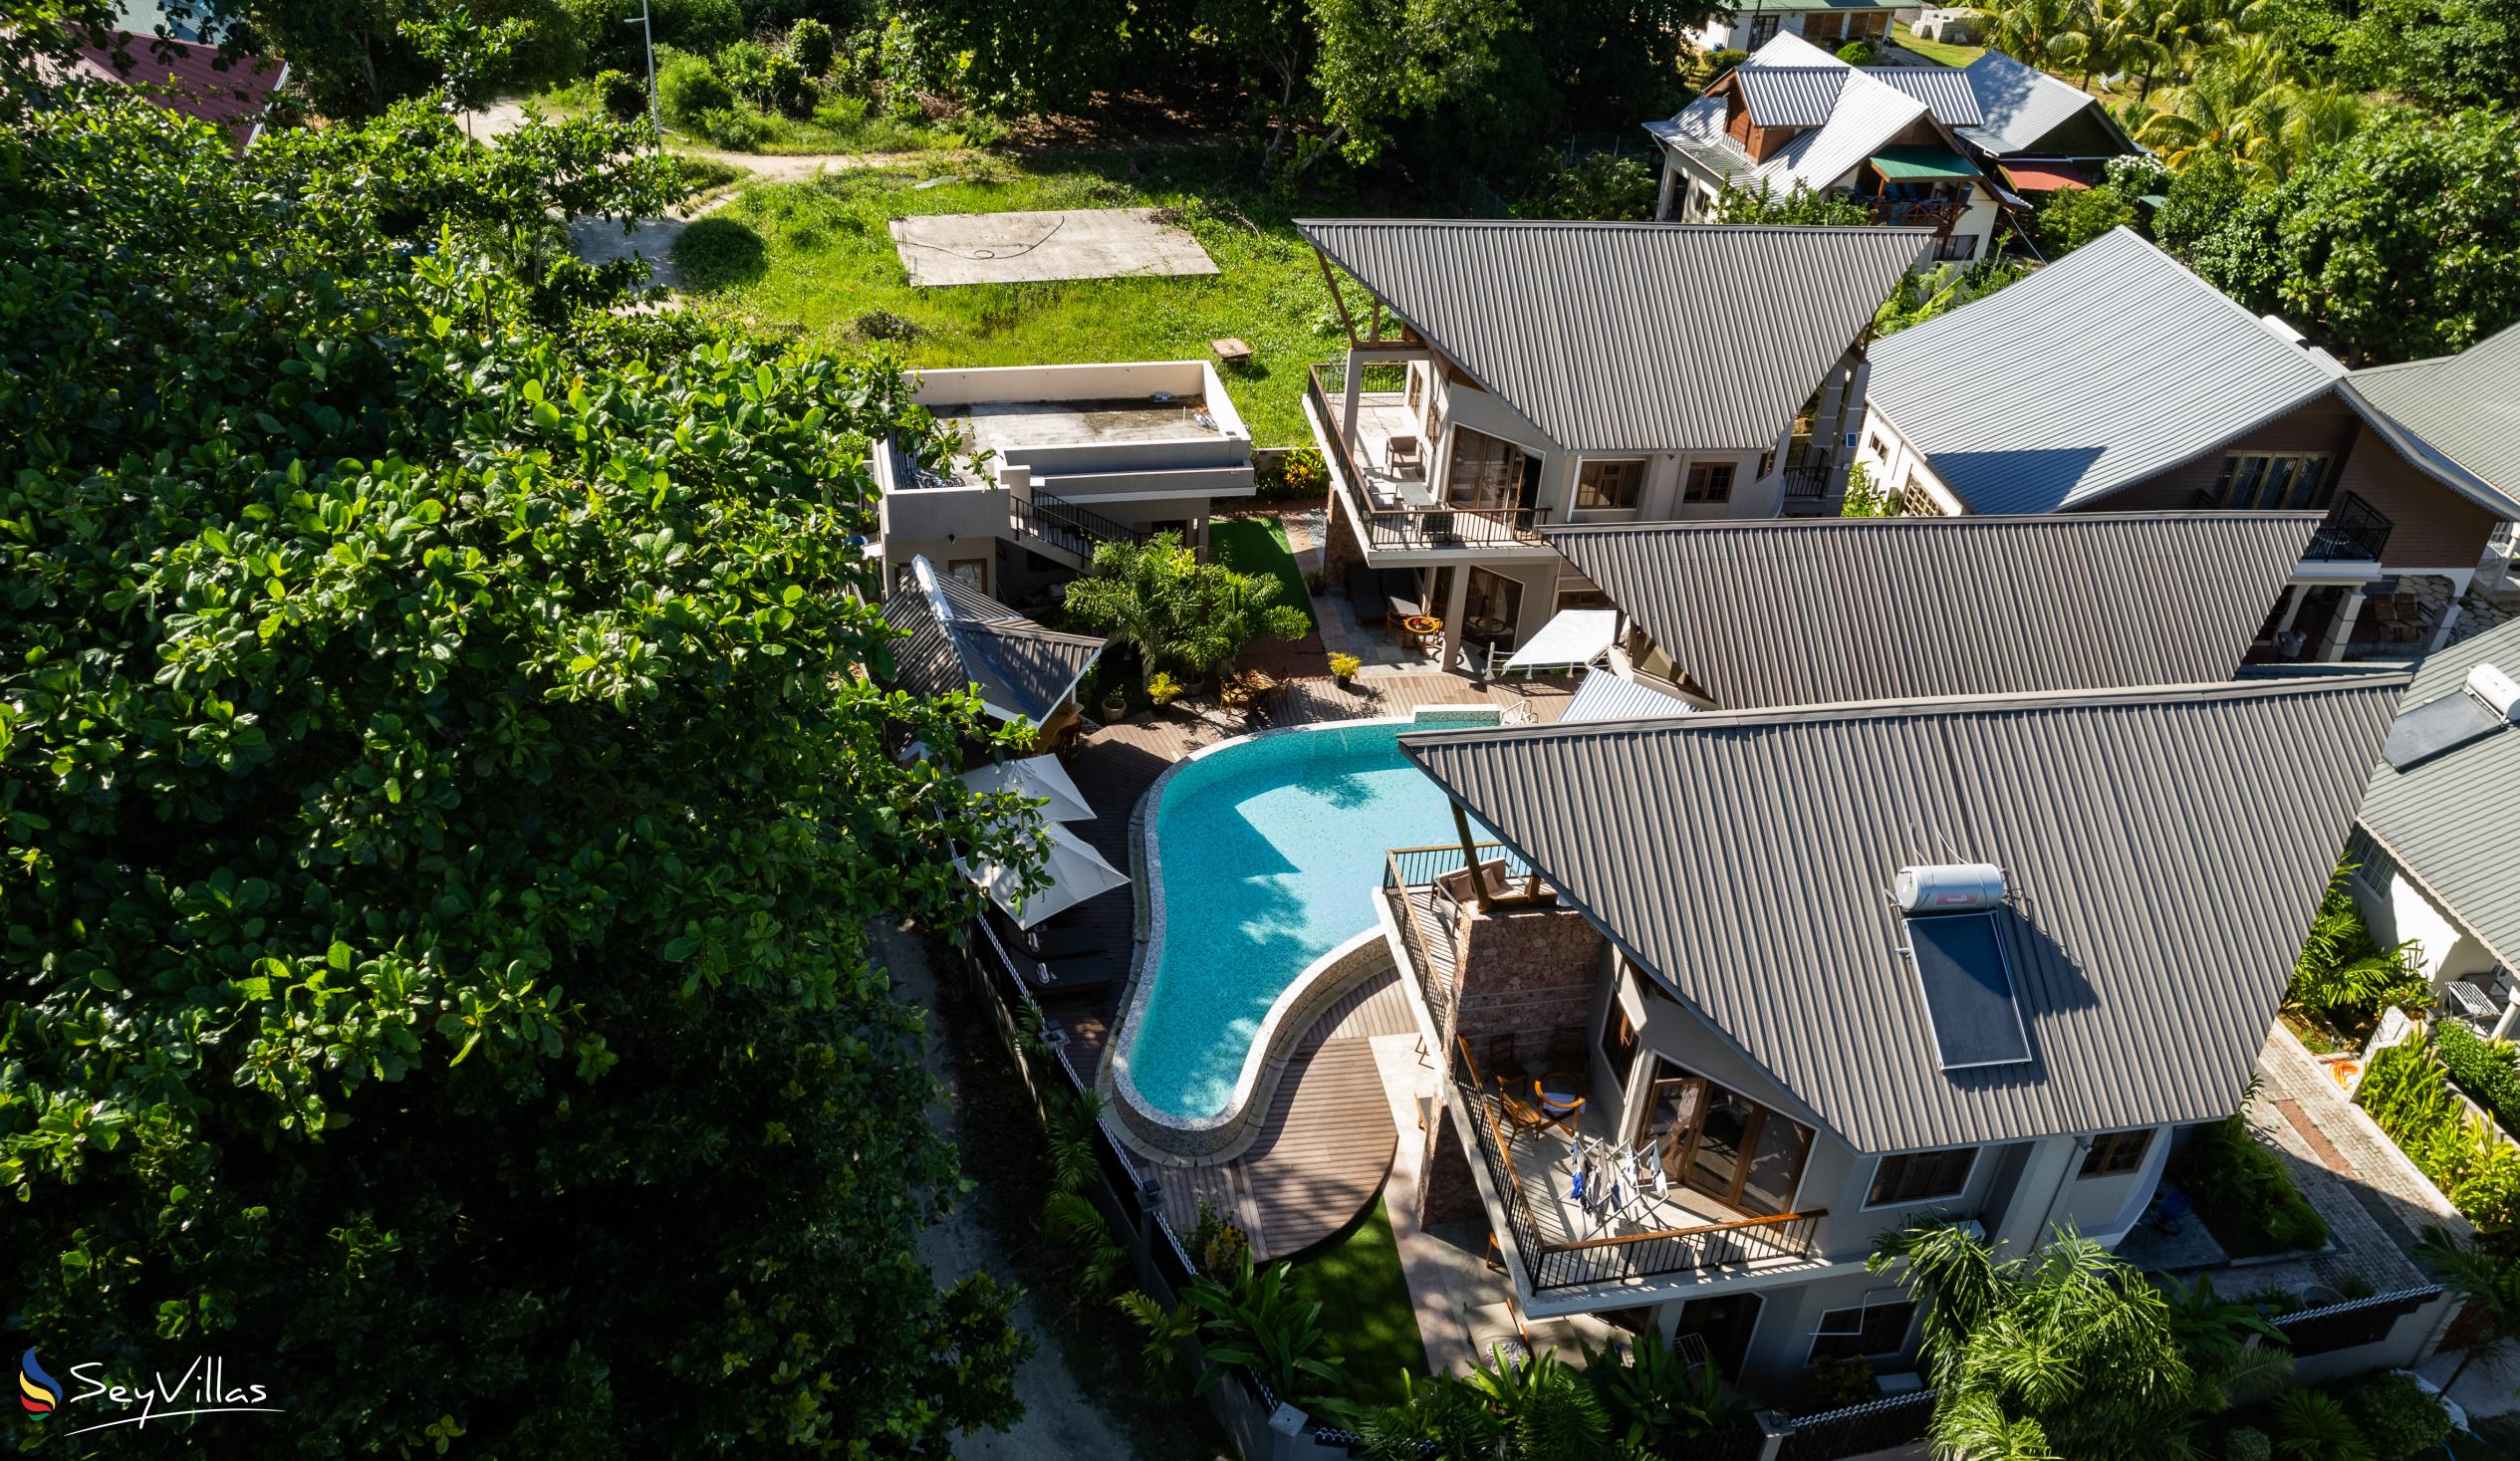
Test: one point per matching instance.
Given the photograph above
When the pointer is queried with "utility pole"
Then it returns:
(647, 36)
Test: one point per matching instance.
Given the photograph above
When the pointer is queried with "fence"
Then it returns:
(1875, 1425)
(2353, 1324)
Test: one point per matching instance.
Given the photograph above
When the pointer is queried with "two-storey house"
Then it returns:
(1822, 25)
(1501, 376)
(1771, 982)
(2036, 132)
(1794, 117)
(2116, 379)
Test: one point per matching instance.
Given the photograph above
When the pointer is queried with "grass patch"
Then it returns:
(1367, 1319)
(1948, 54)
(831, 263)
(1257, 545)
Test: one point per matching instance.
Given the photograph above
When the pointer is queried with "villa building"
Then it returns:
(2435, 844)
(1825, 26)
(1501, 377)
(2036, 132)
(1054, 459)
(958, 638)
(1794, 117)
(1828, 970)
(2116, 379)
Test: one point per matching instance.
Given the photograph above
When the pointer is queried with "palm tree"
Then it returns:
(1157, 598)
(2025, 29)
(2488, 1283)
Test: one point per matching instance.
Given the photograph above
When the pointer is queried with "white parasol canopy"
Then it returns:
(1071, 873)
(1571, 637)
(1035, 778)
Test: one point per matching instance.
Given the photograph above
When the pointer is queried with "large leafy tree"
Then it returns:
(441, 813)
(2402, 241)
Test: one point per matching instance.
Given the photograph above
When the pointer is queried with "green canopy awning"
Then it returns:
(1930, 162)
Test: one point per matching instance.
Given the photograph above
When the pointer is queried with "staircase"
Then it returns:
(1062, 531)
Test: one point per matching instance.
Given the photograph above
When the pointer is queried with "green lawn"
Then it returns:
(1366, 1317)
(1259, 546)
(826, 263)
(1948, 55)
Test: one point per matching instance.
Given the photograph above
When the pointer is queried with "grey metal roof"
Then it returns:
(1632, 337)
(2453, 821)
(2021, 104)
(1789, 96)
(962, 639)
(2106, 366)
(1605, 694)
(1945, 91)
(2165, 849)
(1807, 612)
(2457, 417)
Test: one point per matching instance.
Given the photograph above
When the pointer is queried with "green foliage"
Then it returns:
(442, 818)
(1762, 204)
(2398, 1417)
(2402, 243)
(1249, 1318)
(1167, 1331)
(1838, 1384)
(2485, 1277)
(700, 26)
(1449, 1414)
(2200, 196)
(2243, 1193)
(1603, 187)
(2482, 1067)
(2068, 1352)
(2074, 217)
(2311, 1425)
(1864, 499)
(2343, 975)
(1725, 59)
(717, 253)
(690, 88)
(809, 46)
(2445, 53)
(2247, 1443)
(1856, 53)
(1939, 289)
(464, 51)
(1380, 63)
(1158, 598)
(1295, 475)
(1653, 1401)
(1218, 1244)
(622, 98)
(1545, 1405)
(2409, 1095)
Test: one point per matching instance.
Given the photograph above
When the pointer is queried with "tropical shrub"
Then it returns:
(1601, 187)
(622, 98)
(738, 128)
(2311, 1425)
(1864, 498)
(1248, 1319)
(2483, 1068)
(2243, 1193)
(1918, 297)
(2074, 217)
(809, 46)
(1157, 598)
(1167, 1329)
(2247, 1443)
(688, 88)
(2343, 975)
(1763, 205)
(2409, 1095)
(1218, 1244)
(1725, 59)
(2398, 1417)
(1344, 666)
(1856, 53)
(2485, 1277)
(1651, 1399)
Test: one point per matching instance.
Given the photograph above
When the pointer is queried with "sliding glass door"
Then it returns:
(1489, 473)
(1722, 1145)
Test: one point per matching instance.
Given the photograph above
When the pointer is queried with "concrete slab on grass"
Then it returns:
(1013, 248)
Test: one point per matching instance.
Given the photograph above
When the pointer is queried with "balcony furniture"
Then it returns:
(1230, 351)
(1422, 627)
(1523, 1117)
(1558, 1107)
(1052, 944)
(1404, 455)
(1501, 887)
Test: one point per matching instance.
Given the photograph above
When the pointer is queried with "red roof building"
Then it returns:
(194, 79)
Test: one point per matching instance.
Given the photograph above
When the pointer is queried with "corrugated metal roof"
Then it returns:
(1807, 612)
(1789, 96)
(1867, 116)
(2021, 104)
(1022, 671)
(2455, 416)
(1632, 337)
(1945, 91)
(2164, 850)
(2106, 366)
(1607, 696)
(2453, 821)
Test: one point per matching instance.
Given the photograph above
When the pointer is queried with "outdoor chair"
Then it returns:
(1559, 1110)
(1404, 455)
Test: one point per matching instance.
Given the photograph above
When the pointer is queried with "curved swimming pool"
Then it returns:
(1264, 855)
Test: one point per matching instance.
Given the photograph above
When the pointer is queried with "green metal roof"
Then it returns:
(1930, 162)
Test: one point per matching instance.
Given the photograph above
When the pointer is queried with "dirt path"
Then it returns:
(1060, 1421)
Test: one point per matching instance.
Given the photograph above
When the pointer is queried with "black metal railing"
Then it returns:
(1910, 212)
(1858, 1430)
(2353, 1322)
(1446, 524)
(2355, 531)
(1550, 1265)
(1065, 525)
(1808, 480)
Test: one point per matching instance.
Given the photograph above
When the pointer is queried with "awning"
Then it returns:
(1037, 778)
(1572, 636)
(1071, 873)
(1606, 696)
(2042, 178)
(1926, 163)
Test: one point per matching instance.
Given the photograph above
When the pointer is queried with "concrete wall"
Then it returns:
(2396, 909)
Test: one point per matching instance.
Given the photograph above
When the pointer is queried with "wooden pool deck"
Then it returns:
(1328, 1141)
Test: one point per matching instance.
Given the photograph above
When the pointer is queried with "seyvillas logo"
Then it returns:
(39, 1392)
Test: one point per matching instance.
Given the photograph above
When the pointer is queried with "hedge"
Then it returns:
(2484, 1068)
(2408, 1092)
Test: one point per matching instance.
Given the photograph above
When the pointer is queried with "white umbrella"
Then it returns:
(1037, 778)
(1071, 873)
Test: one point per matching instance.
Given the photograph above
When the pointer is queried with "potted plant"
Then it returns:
(1163, 688)
(1344, 667)
(1114, 707)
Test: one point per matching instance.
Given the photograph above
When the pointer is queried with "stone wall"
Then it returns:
(1340, 548)
(1448, 1193)
(1528, 973)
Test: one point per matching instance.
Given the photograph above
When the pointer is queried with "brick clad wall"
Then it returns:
(1526, 972)
(1339, 546)
(1446, 1191)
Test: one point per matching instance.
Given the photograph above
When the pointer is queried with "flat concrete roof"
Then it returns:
(1012, 248)
(1013, 426)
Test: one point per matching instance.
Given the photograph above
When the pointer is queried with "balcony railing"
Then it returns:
(1061, 524)
(1429, 920)
(1910, 213)
(1397, 525)
(2355, 531)
(1630, 1256)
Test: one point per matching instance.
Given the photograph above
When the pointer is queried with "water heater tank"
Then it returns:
(1950, 888)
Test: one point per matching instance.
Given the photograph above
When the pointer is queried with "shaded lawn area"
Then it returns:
(1258, 545)
(1942, 51)
(1366, 1317)
(827, 265)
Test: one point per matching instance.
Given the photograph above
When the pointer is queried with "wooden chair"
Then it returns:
(1404, 455)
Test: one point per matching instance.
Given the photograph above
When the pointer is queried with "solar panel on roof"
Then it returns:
(1968, 989)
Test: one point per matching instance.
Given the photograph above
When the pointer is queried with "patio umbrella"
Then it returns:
(1071, 873)
(1035, 778)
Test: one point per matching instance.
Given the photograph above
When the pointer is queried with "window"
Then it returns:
(971, 573)
(1873, 1330)
(1619, 1040)
(1960, 247)
(1763, 31)
(1583, 598)
(1610, 485)
(1709, 482)
(2116, 1152)
(1489, 472)
(1879, 445)
(1922, 1176)
(2270, 482)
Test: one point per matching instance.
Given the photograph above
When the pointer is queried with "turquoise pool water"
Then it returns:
(1270, 853)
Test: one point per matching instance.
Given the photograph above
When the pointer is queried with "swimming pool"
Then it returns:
(1265, 854)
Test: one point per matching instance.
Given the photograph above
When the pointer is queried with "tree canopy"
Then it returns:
(442, 809)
